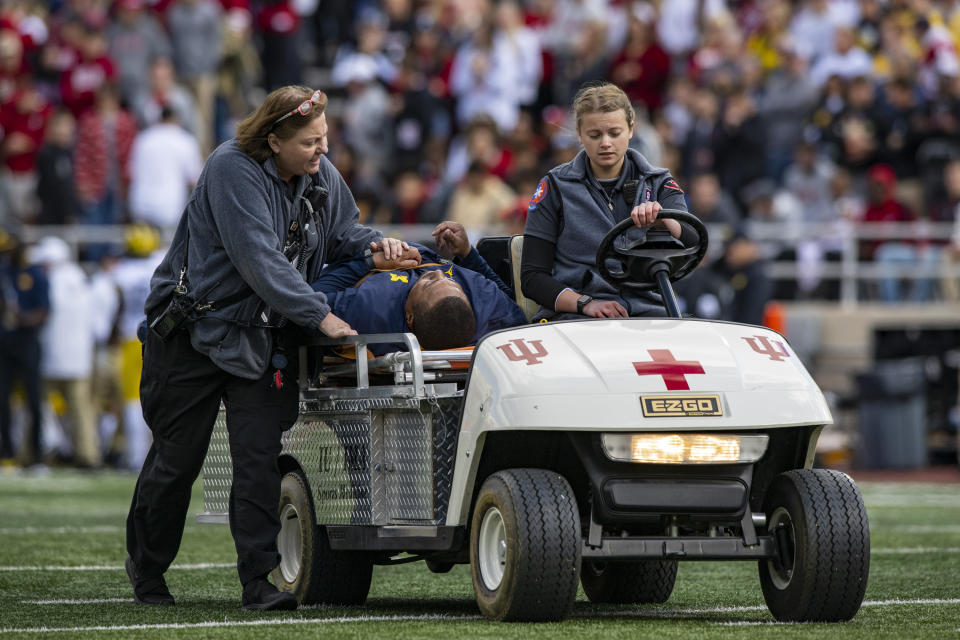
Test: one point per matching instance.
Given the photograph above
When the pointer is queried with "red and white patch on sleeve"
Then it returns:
(672, 184)
(538, 195)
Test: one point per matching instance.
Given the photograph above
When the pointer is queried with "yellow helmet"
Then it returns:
(8, 241)
(142, 240)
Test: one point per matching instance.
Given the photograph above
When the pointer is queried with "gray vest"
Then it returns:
(586, 219)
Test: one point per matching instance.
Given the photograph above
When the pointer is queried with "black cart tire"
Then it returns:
(644, 582)
(525, 546)
(820, 524)
(309, 568)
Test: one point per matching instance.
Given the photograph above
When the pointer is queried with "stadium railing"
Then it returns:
(843, 237)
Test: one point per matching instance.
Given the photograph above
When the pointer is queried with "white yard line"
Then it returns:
(112, 567)
(436, 617)
(898, 601)
(240, 623)
(866, 603)
(80, 601)
(882, 551)
(107, 528)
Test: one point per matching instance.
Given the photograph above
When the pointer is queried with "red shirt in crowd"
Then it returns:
(13, 66)
(91, 153)
(79, 84)
(278, 19)
(23, 120)
(885, 207)
(643, 77)
(9, 77)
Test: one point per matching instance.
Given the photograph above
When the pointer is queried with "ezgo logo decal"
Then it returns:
(680, 406)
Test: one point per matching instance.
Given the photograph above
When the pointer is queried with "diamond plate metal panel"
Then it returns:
(353, 405)
(368, 461)
(334, 452)
(446, 433)
(378, 487)
(408, 462)
(218, 470)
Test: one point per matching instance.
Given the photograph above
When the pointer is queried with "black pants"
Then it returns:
(20, 359)
(181, 391)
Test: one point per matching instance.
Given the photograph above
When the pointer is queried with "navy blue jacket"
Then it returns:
(376, 305)
(22, 288)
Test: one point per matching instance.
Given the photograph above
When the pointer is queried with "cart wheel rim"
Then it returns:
(779, 574)
(289, 543)
(492, 548)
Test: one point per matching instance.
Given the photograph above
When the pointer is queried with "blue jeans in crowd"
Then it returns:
(101, 212)
(924, 259)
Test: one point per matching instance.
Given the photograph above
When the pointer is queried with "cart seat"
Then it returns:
(503, 254)
(528, 306)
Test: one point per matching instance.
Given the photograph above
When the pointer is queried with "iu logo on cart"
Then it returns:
(530, 350)
(764, 346)
(674, 371)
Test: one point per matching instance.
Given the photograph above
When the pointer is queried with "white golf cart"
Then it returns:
(599, 452)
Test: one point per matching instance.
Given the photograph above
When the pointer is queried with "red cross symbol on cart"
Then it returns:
(672, 370)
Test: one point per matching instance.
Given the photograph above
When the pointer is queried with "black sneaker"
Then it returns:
(260, 595)
(148, 590)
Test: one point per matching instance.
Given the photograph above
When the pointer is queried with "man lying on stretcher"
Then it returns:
(446, 304)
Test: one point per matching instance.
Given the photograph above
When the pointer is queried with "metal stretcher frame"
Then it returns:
(372, 454)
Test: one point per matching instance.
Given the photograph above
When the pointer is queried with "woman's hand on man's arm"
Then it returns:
(391, 253)
(396, 249)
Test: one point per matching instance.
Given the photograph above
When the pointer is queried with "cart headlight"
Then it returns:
(684, 448)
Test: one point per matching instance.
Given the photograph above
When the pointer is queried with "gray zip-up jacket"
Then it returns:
(238, 216)
(571, 210)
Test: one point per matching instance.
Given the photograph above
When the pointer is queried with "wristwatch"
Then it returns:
(583, 301)
(368, 258)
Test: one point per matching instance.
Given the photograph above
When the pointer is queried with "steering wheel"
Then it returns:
(640, 260)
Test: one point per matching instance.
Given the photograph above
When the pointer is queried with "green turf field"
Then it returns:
(61, 574)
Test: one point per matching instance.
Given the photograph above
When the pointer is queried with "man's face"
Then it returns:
(299, 154)
(431, 288)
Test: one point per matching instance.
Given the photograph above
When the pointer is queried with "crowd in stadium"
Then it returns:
(806, 112)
